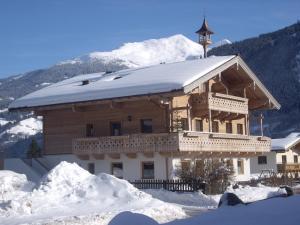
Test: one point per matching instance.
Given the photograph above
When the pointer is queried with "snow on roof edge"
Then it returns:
(196, 69)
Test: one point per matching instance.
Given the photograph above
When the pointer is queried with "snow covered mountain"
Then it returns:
(150, 52)
(220, 43)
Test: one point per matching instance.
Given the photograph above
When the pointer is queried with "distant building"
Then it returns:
(283, 158)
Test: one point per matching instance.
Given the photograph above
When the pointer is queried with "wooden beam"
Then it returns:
(98, 156)
(148, 154)
(83, 157)
(114, 155)
(131, 155)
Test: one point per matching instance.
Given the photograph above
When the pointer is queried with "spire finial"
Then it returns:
(204, 36)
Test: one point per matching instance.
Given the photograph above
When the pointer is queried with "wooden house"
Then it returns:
(145, 122)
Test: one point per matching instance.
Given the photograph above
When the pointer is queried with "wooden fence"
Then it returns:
(170, 185)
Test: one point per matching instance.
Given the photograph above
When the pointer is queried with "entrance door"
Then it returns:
(115, 129)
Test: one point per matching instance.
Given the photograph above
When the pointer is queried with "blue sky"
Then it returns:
(39, 33)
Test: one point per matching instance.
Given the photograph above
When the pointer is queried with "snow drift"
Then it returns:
(69, 191)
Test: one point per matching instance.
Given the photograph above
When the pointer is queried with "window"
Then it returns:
(215, 126)
(115, 129)
(262, 159)
(117, 169)
(240, 129)
(146, 126)
(240, 165)
(229, 128)
(185, 166)
(283, 159)
(90, 130)
(184, 124)
(295, 159)
(199, 125)
(148, 170)
(91, 168)
(199, 167)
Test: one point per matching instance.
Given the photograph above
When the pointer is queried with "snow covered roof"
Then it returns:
(162, 78)
(129, 82)
(285, 143)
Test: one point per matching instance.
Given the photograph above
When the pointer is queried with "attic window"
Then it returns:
(85, 82)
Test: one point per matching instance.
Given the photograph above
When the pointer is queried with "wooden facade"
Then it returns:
(209, 116)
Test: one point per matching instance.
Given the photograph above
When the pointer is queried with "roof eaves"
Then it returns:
(194, 84)
(258, 82)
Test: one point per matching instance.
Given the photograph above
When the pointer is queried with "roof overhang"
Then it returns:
(237, 60)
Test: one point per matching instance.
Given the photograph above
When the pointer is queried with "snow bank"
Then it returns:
(252, 194)
(12, 184)
(275, 211)
(197, 199)
(70, 193)
(27, 127)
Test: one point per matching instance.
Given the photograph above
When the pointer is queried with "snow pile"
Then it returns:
(252, 194)
(150, 52)
(13, 184)
(275, 211)
(68, 191)
(197, 199)
(27, 127)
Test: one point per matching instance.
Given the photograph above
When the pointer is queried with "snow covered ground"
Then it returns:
(276, 211)
(68, 194)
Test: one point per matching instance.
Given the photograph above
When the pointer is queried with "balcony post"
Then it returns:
(261, 124)
(188, 110)
(171, 115)
(209, 121)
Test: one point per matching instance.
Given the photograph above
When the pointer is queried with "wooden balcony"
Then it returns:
(221, 102)
(172, 142)
(288, 167)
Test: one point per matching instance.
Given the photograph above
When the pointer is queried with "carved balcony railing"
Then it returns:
(288, 167)
(171, 142)
(220, 102)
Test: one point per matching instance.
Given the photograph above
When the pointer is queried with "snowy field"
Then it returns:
(69, 194)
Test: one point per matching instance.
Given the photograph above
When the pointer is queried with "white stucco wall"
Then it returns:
(132, 168)
(256, 168)
(289, 156)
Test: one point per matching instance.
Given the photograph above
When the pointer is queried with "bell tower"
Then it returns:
(204, 36)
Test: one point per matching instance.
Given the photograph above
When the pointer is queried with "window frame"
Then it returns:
(143, 170)
(297, 160)
(240, 128)
(142, 126)
(285, 159)
(200, 123)
(112, 169)
(260, 161)
(111, 127)
(240, 169)
(89, 130)
(215, 127)
(91, 167)
(227, 124)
